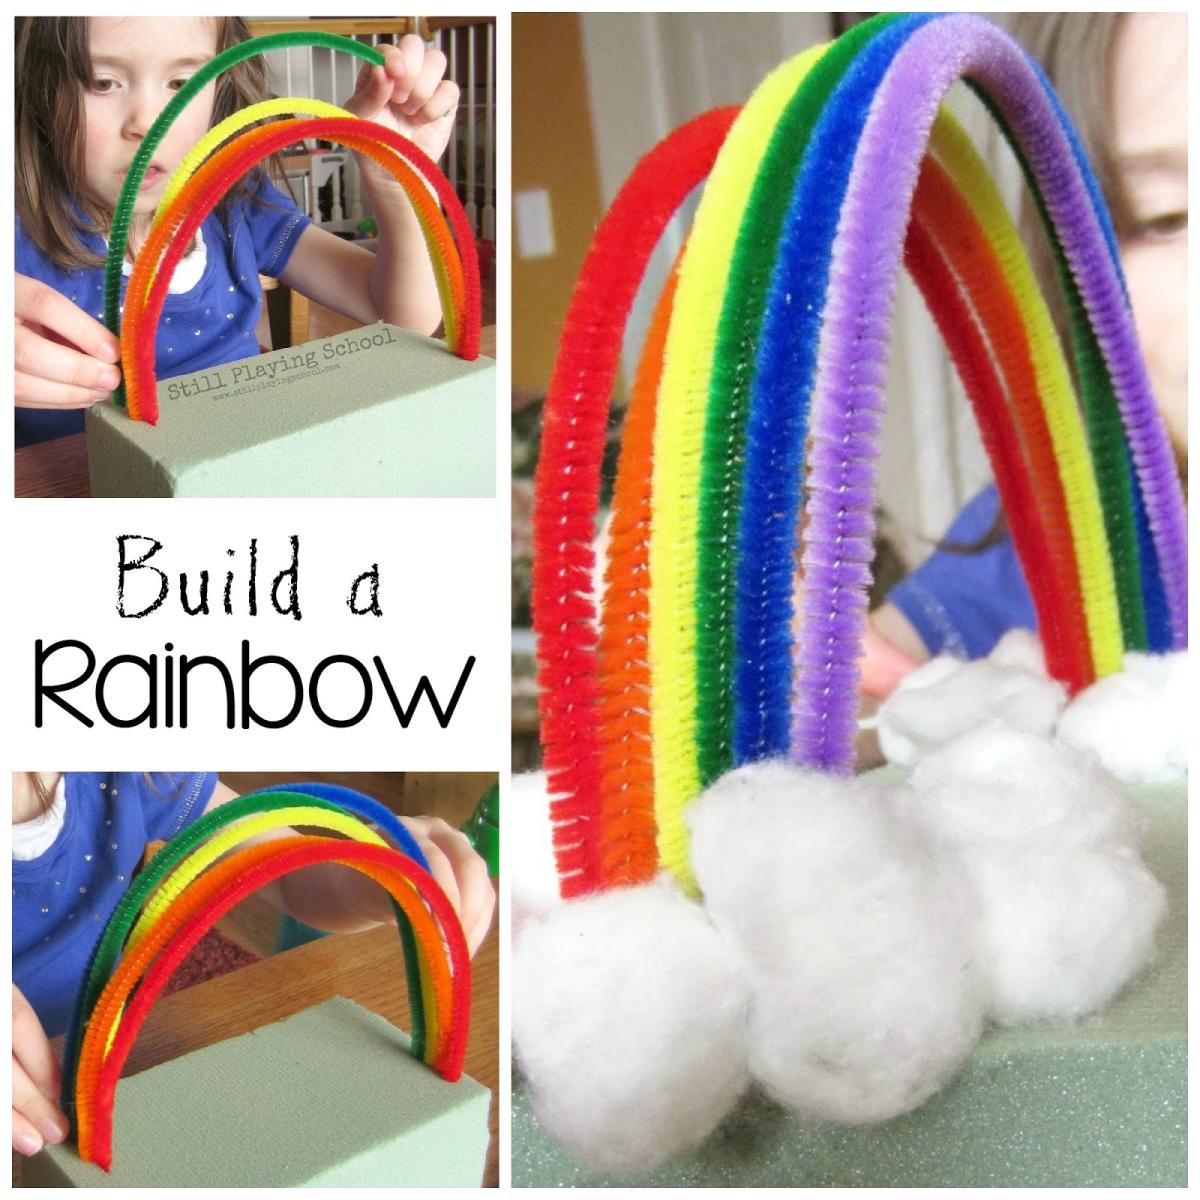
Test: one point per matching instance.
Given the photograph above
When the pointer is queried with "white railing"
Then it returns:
(469, 44)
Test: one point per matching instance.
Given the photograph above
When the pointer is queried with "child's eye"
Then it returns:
(102, 86)
(1165, 225)
(176, 84)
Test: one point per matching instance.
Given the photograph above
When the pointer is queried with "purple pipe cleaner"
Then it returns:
(856, 333)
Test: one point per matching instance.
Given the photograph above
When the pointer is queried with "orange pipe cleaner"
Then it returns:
(629, 846)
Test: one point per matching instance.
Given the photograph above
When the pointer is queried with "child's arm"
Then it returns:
(396, 283)
(339, 900)
(63, 357)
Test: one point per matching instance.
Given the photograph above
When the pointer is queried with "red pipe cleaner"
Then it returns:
(568, 481)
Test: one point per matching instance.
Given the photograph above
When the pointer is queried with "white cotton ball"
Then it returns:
(1061, 932)
(629, 1021)
(855, 940)
(1137, 721)
(998, 785)
(1049, 843)
(934, 671)
(946, 697)
(1020, 648)
(528, 834)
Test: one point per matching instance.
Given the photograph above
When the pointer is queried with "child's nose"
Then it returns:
(140, 113)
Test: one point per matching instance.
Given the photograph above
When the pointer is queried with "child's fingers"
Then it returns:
(440, 866)
(25, 1139)
(460, 872)
(882, 665)
(433, 67)
(478, 897)
(364, 77)
(37, 356)
(373, 89)
(378, 87)
(412, 52)
(43, 1117)
(36, 1080)
(38, 304)
(31, 1048)
(483, 922)
(42, 393)
(443, 103)
(443, 874)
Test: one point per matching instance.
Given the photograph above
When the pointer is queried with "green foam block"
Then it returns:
(379, 411)
(1096, 1103)
(329, 1097)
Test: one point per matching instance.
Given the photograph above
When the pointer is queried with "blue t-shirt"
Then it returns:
(963, 603)
(211, 323)
(63, 898)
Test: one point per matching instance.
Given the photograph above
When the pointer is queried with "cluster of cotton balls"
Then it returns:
(853, 937)
(1135, 721)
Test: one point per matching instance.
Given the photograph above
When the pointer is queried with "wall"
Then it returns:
(552, 148)
(648, 73)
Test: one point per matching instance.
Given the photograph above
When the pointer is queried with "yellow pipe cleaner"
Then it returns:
(240, 831)
(678, 449)
(231, 125)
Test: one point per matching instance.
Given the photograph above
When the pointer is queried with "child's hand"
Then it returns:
(36, 1080)
(64, 357)
(460, 872)
(457, 869)
(408, 94)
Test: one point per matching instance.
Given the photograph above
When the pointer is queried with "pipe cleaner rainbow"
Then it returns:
(207, 173)
(751, 440)
(199, 875)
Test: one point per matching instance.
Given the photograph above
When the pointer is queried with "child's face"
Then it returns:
(1150, 134)
(138, 64)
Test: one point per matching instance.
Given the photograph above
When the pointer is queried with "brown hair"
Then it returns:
(45, 799)
(53, 69)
